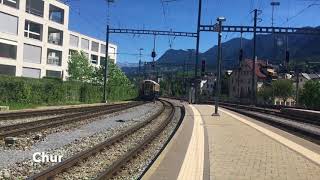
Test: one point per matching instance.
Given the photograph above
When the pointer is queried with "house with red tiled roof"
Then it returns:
(240, 84)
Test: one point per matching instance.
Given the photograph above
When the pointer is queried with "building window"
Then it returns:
(35, 7)
(8, 51)
(56, 14)
(95, 46)
(94, 59)
(112, 60)
(85, 44)
(72, 52)
(54, 74)
(103, 49)
(7, 70)
(102, 59)
(31, 72)
(54, 57)
(11, 3)
(55, 36)
(33, 30)
(74, 41)
(9, 24)
(32, 54)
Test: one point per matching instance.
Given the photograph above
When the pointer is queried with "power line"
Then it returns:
(300, 12)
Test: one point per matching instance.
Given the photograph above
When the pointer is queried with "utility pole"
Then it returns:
(106, 67)
(197, 52)
(253, 89)
(239, 68)
(218, 87)
(297, 86)
(153, 55)
(273, 4)
(184, 75)
(140, 55)
(105, 100)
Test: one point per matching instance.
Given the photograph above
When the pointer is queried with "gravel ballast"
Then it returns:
(135, 168)
(18, 163)
(95, 164)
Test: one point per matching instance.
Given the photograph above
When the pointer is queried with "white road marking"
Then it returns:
(315, 157)
(192, 167)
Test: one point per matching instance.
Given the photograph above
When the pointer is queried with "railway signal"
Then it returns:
(203, 68)
(241, 55)
(287, 57)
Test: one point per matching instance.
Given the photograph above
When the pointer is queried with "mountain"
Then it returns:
(302, 47)
(127, 64)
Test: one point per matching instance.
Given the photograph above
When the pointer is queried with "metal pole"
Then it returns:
(184, 75)
(272, 18)
(218, 87)
(140, 61)
(197, 50)
(153, 59)
(254, 58)
(239, 68)
(106, 67)
(297, 85)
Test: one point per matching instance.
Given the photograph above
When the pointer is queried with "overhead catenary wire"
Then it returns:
(300, 12)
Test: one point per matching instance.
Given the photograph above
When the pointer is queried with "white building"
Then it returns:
(35, 40)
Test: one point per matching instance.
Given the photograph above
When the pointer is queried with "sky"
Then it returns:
(90, 17)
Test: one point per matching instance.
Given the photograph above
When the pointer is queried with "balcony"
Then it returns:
(55, 36)
(35, 7)
(56, 14)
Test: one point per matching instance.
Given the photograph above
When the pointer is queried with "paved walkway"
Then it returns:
(231, 147)
(238, 151)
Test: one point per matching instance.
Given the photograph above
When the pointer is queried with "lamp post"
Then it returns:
(218, 87)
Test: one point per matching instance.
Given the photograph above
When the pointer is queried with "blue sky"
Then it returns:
(89, 17)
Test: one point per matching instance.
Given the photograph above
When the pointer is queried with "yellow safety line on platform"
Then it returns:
(192, 167)
(315, 157)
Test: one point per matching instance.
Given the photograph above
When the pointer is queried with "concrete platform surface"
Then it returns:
(232, 147)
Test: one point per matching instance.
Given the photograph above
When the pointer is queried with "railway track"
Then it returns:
(36, 113)
(304, 128)
(154, 126)
(22, 128)
(276, 112)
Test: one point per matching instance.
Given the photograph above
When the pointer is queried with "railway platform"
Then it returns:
(233, 146)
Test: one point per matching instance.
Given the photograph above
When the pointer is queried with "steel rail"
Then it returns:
(47, 120)
(304, 130)
(33, 113)
(22, 128)
(275, 112)
(117, 165)
(51, 172)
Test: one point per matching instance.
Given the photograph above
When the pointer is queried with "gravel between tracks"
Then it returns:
(17, 164)
(31, 119)
(136, 167)
(90, 168)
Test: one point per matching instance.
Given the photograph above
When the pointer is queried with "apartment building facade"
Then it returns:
(35, 40)
(240, 81)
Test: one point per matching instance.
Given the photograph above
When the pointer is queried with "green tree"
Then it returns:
(310, 95)
(79, 68)
(282, 88)
(266, 93)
